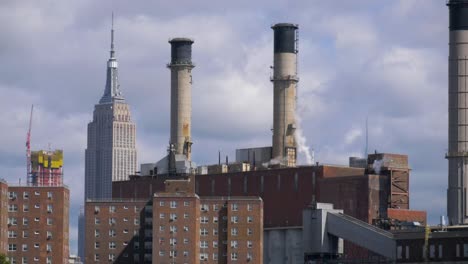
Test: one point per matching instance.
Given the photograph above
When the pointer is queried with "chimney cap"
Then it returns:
(279, 25)
(181, 40)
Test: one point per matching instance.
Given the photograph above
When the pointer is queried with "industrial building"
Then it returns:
(175, 226)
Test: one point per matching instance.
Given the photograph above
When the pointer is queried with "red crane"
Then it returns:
(28, 148)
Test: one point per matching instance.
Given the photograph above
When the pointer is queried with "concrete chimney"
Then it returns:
(181, 95)
(284, 93)
(458, 112)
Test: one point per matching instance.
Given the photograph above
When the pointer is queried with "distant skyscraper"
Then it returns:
(111, 153)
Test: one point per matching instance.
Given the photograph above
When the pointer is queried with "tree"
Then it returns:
(4, 259)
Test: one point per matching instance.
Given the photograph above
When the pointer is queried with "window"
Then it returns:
(12, 221)
(36, 193)
(25, 195)
(12, 208)
(204, 208)
(125, 219)
(12, 195)
(12, 234)
(249, 256)
(172, 241)
(186, 228)
(234, 231)
(162, 253)
(49, 248)
(249, 219)
(97, 220)
(215, 256)
(249, 244)
(186, 215)
(111, 257)
(112, 233)
(112, 221)
(96, 209)
(112, 209)
(185, 240)
(234, 207)
(25, 207)
(137, 209)
(111, 245)
(125, 231)
(173, 204)
(136, 221)
(97, 233)
(203, 232)
(204, 220)
(136, 245)
(215, 244)
(203, 256)
(49, 208)
(186, 253)
(25, 247)
(49, 221)
(96, 245)
(162, 228)
(234, 219)
(11, 247)
(186, 203)
(234, 256)
(25, 221)
(215, 219)
(37, 206)
(24, 260)
(49, 260)
(234, 243)
(125, 207)
(203, 244)
(49, 195)
(96, 257)
(162, 215)
(249, 207)
(36, 219)
(173, 229)
(25, 234)
(161, 203)
(36, 232)
(173, 253)
(249, 231)
(49, 234)
(173, 217)
(215, 232)
(215, 207)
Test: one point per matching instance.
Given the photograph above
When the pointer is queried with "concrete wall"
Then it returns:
(283, 246)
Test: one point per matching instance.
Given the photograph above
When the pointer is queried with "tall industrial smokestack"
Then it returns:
(458, 113)
(284, 95)
(181, 95)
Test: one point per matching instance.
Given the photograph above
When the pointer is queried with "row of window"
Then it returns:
(113, 208)
(24, 247)
(14, 234)
(234, 207)
(234, 244)
(113, 221)
(14, 208)
(24, 260)
(234, 256)
(234, 219)
(12, 221)
(14, 195)
(113, 233)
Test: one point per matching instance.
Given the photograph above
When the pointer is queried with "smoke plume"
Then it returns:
(301, 142)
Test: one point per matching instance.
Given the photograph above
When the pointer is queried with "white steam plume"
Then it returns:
(301, 142)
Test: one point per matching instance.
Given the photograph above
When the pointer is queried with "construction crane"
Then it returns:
(28, 149)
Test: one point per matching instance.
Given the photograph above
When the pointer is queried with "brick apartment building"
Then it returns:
(37, 223)
(175, 226)
(116, 231)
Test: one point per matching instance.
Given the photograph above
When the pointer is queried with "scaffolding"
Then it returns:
(46, 168)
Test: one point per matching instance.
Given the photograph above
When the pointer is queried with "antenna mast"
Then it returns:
(28, 149)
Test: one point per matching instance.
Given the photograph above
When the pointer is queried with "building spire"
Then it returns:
(112, 91)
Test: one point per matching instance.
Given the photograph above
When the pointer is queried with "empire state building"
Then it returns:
(110, 154)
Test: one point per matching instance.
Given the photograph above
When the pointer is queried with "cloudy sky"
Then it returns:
(385, 60)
